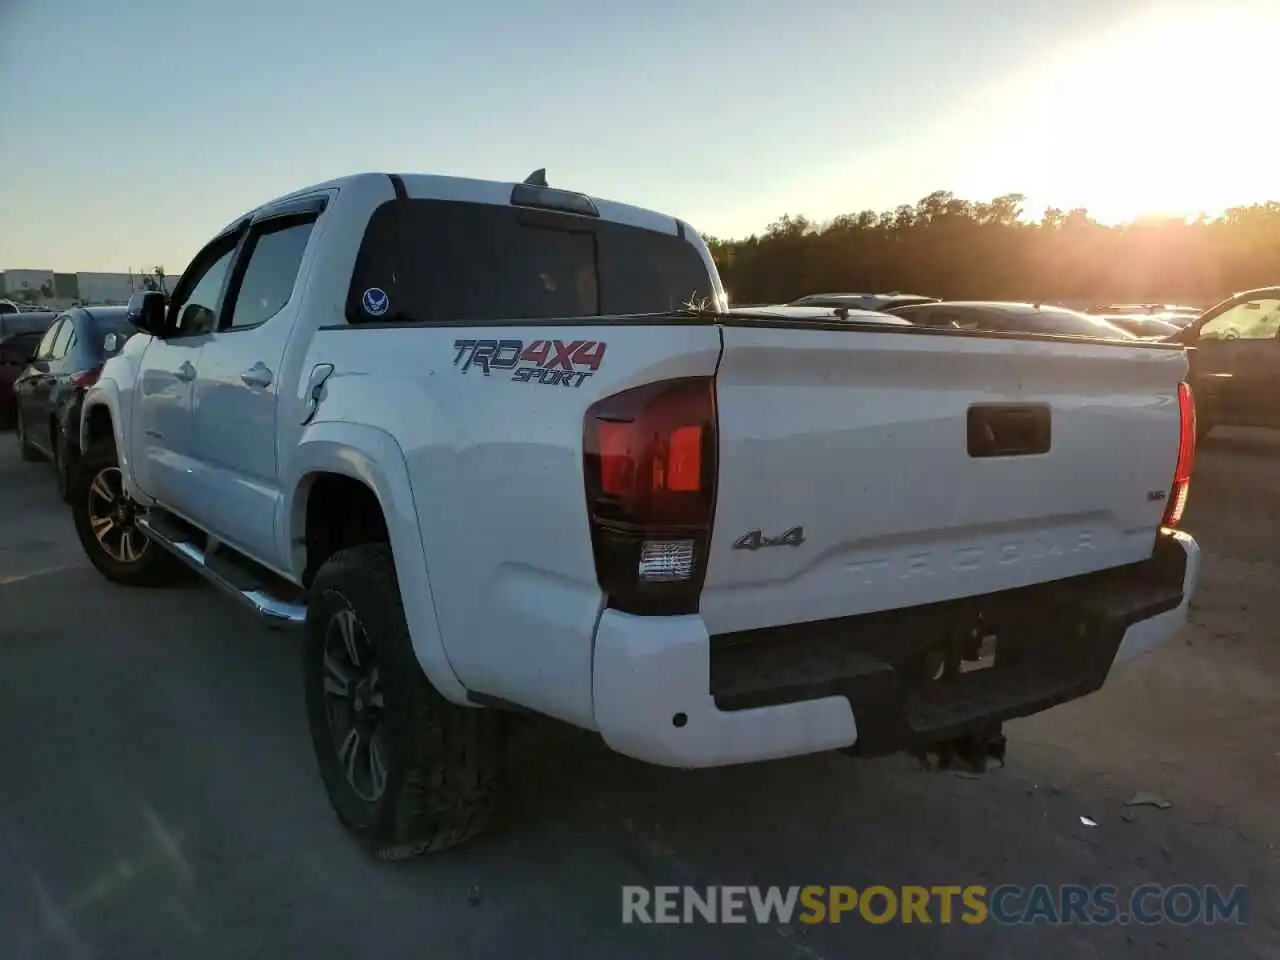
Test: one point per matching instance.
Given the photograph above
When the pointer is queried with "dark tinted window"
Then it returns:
(26, 322)
(274, 260)
(1067, 322)
(112, 323)
(17, 349)
(46, 342)
(62, 341)
(444, 260)
(101, 326)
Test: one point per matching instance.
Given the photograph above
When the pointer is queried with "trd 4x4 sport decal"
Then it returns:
(549, 362)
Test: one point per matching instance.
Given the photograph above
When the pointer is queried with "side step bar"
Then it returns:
(275, 612)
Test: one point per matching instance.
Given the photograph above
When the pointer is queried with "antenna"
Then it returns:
(538, 178)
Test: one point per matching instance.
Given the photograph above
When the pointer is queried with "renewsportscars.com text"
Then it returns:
(1008, 904)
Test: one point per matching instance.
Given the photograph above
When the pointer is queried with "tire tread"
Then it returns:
(452, 754)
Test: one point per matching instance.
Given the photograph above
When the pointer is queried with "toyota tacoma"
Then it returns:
(500, 448)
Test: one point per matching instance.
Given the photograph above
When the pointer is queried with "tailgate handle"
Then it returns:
(1009, 430)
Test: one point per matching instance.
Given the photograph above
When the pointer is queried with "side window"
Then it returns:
(45, 350)
(62, 342)
(194, 307)
(1251, 320)
(274, 255)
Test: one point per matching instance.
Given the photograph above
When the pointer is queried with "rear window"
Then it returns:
(26, 323)
(1074, 324)
(118, 323)
(16, 350)
(438, 261)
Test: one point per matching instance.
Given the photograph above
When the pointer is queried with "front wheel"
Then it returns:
(407, 771)
(106, 523)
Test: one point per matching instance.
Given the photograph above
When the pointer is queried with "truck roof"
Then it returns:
(469, 189)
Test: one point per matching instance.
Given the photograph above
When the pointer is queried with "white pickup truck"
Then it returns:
(499, 447)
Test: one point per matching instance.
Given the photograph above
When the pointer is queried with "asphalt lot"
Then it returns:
(159, 798)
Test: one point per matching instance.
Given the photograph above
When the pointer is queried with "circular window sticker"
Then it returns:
(375, 301)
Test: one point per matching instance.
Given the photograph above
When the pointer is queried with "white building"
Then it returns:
(58, 291)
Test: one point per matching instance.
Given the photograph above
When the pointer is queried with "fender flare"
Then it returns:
(373, 457)
(106, 394)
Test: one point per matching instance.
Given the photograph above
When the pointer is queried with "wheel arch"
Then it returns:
(333, 459)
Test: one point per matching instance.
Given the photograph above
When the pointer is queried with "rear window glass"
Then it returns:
(112, 323)
(26, 322)
(17, 349)
(1074, 324)
(438, 261)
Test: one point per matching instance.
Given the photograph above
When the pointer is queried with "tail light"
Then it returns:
(649, 459)
(86, 378)
(1186, 457)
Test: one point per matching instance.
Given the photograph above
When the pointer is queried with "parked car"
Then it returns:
(50, 390)
(786, 311)
(861, 301)
(19, 334)
(468, 436)
(1143, 327)
(1169, 312)
(1235, 367)
(998, 316)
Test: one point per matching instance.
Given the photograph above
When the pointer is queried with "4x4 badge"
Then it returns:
(755, 540)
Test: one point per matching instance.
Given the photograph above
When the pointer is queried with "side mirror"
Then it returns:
(146, 311)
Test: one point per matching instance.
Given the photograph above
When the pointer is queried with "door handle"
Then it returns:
(257, 376)
(186, 372)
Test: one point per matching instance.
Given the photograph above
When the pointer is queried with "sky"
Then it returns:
(134, 130)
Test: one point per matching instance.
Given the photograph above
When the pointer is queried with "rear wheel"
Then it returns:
(106, 523)
(29, 453)
(407, 771)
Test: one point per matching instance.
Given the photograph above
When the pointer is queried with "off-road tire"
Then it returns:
(28, 453)
(154, 567)
(444, 761)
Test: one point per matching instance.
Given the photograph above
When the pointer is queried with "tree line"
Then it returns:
(951, 248)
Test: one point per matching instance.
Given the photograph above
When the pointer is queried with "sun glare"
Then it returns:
(1168, 115)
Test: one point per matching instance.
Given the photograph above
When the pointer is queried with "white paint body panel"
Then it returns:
(860, 438)
(650, 670)
(857, 435)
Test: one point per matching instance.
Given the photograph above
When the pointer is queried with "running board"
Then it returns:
(272, 610)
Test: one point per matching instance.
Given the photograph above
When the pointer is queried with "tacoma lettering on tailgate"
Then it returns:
(547, 362)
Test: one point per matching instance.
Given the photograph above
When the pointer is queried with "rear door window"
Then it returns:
(438, 261)
(275, 255)
(45, 350)
(62, 342)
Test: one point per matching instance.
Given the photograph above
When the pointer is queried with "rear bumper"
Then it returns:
(668, 693)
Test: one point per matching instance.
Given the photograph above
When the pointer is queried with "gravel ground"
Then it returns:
(159, 796)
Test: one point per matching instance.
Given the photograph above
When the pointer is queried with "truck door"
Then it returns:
(238, 386)
(161, 440)
(1237, 364)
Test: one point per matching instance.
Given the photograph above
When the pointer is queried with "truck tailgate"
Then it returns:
(922, 468)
